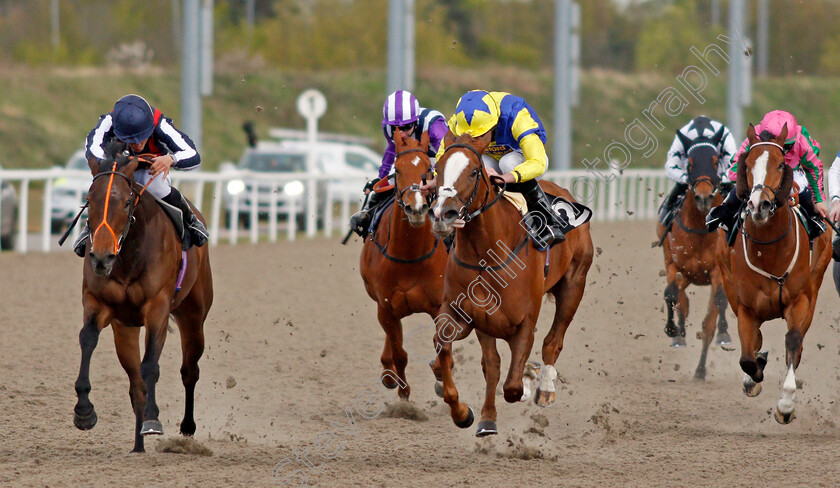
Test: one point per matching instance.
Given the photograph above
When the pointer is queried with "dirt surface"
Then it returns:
(288, 377)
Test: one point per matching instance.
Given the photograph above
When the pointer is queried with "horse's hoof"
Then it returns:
(678, 342)
(138, 450)
(671, 330)
(485, 428)
(467, 421)
(439, 388)
(544, 398)
(85, 422)
(751, 389)
(784, 418)
(388, 381)
(700, 374)
(187, 427)
(152, 427)
(723, 339)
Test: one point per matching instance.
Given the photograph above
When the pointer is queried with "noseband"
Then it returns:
(415, 187)
(462, 212)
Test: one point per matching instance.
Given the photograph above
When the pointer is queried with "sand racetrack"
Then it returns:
(293, 345)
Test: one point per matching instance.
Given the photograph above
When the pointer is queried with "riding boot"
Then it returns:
(835, 247)
(80, 246)
(198, 232)
(668, 210)
(360, 221)
(815, 221)
(723, 215)
(551, 227)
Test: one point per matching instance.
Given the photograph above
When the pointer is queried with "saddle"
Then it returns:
(177, 218)
(571, 214)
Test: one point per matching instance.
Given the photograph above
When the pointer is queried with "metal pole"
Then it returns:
(190, 81)
(735, 114)
(715, 12)
(250, 13)
(763, 50)
(395, 40)
(408, 45)
(207, 47)
(54, 21)
(562, 141)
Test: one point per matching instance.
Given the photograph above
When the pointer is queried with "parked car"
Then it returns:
(68, 194)
(8, 215)
(352, 164)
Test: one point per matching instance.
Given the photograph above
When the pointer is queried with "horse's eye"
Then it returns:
(127, 203)
(476, 172)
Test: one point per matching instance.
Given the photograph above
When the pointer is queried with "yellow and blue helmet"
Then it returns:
(475, 114)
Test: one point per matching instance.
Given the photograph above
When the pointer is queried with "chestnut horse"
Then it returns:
(495, 281)
(402, 263)
(131, 271)
(689, 251)
(768, 273)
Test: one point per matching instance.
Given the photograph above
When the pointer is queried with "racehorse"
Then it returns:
(499, 301)
(402, 263)
(689, 250)
(767, 273)
(132, 280)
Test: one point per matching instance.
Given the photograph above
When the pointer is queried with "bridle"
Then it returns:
(761, 186)
(462, 212)
(134, 199)
(415, 187)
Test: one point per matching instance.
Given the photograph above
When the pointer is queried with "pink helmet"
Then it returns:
(775, 120)
(400, 108)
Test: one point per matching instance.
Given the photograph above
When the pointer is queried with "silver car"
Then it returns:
(8, 215)
(68, 194)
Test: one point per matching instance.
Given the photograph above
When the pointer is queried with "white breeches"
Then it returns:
(160, 187)
(508, 162)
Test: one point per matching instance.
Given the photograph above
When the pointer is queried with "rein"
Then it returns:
(415, 187)
(462, 212)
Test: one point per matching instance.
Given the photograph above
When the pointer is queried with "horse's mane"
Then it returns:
(115, 151)
(741, 189)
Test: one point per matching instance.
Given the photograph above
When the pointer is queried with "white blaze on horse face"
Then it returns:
(759, 174)
(456, 165)
(418, 202)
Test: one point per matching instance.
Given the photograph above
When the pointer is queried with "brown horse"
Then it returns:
(130, 277)
(767, 274)
(402, 263)
(502, 300)
(689, 251)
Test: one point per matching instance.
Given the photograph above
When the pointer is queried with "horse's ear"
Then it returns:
(399, 142)
(751, 137)
(782, 135)
(128, 168)
(424, 141)
(93, 164)
(684, 140)
(742, 187)
(718, 136)
(481, 142)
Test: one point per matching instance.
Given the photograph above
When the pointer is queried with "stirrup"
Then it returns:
(80, 246)
(198, 233)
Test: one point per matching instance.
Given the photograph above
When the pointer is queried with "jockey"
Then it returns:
(834, 197)
(700, 130)
(403, 111)
(802, 154)
(517, 151)
(146, 130)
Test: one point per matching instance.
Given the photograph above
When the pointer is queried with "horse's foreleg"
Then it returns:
(721, 303)
(491, 364)
(394, 358)
(447, 331)
(94, 321)
(752, 362)
(798, 317)
(156, 317)
(127, 343)
(520, 348)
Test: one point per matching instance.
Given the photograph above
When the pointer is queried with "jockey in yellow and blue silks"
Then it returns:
(517, 151)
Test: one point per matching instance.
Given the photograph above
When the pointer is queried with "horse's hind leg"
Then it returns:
(192, 348)
(156, 318)
(752, 362)
(708, 330)
(723, 337)
(84, 415)
(127, 342)
(394, 358)
(491, 364)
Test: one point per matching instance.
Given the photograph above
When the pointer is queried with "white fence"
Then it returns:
(632, 195)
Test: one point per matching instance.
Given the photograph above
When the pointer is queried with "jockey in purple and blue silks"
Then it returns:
(403, 111)
(801, 153)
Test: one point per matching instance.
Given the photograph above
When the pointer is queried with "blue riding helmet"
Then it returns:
(133, 119)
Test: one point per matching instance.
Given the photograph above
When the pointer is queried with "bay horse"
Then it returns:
(402, 263)
(768, 272)
(499, 301)
(131, 270)
(689, 250)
